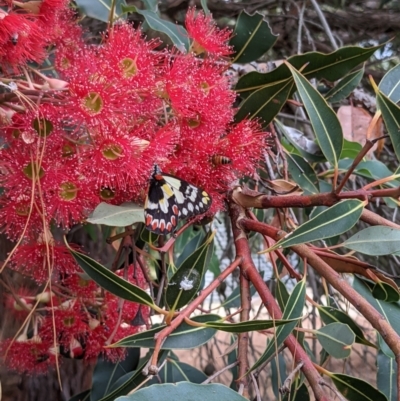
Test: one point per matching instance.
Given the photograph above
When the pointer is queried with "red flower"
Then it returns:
(207, 37)
(70, 321)
(42, 260)
(18, 216)
(199, 93)
(21, 40)
(80, 287)
(38, 354)
(244, 145)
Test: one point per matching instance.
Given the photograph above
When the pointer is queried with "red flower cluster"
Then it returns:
(85, 320)
(95, 135)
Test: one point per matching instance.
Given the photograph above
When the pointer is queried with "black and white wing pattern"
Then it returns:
(170, 199)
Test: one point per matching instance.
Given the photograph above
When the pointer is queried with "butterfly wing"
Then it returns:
(171, 198)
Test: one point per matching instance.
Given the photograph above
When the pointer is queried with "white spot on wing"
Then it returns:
(164, 205)
(180, 198)
(193, 194)
(151, 206)
(190, 207)
(172, 181)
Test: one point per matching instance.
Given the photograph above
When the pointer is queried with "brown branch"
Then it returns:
(374, 220)
(248, 198)
(249, 270)
(243, 338)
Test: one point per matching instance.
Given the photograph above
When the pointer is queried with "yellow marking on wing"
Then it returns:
(167, 190)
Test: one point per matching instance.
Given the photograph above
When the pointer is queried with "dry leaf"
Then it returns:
(358, 125)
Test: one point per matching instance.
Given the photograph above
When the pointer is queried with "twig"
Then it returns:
(243, 338)
(285, 388)
(256, 388)
(325, 24)
(374, 220)
(212, 377)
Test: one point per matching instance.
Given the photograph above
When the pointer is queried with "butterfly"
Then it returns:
(170, 199)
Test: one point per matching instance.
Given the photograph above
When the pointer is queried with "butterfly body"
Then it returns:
(171, 199)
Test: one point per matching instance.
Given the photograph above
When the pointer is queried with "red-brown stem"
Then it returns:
(292, 273)
(377, 321)
(261, 201)
(243, 338)
(163, 334)
(249, 270)
(375, 220)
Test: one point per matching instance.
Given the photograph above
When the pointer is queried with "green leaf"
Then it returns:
(106, 372)
(266, 102)
(391, 115)
(176, 33)
(390, 84)
(336, 339)
(110, 281)
(350, 149)
(175, 371)
(375, 240)
(131, 380)
(335, 220)
(324, 120)
(329, 315)
(184, 337)
(252, 325)
(386, 376)
(278, 373)
(189, 246)
(332, 67)
(117, 216)
(214, 266)
(281, 294)
(185, 282)
(151, 5)
(205, 7)
(376, 170)
(344, 87)
(100, 9)
(184, 391)
(385, 292)
(303, 174)
(293, 310)
(356, 389)
(251, 38)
